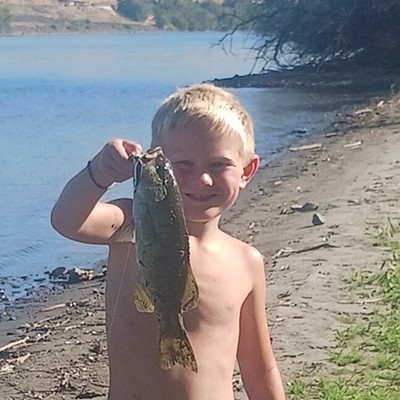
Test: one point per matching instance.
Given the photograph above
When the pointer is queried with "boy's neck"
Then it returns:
(203, 230)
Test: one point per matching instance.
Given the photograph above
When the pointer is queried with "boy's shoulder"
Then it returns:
(246, 257)
(245, 249)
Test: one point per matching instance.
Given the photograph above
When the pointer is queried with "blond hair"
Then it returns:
(218, 108)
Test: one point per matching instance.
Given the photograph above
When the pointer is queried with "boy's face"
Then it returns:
(209, 170)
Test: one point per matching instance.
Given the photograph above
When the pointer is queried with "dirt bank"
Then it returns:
(337, 76)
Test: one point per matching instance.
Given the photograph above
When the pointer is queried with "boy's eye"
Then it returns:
(220, 164)
(184, 164)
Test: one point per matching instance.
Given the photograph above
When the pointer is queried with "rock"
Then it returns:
(76, 275)
(305, 207)
(58, 272)
(318, 219)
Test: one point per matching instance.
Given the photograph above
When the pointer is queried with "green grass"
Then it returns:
(367, 358)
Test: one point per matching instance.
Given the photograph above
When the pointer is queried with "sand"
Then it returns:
(351, 173)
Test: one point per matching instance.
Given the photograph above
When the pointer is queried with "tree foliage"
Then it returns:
(188, 15)
(290, 32)
(314, 31)
(137, 10)
(5, 17)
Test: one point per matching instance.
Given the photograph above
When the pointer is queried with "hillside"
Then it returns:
(57, 16)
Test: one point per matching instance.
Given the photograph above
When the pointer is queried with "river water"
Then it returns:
(63, 96)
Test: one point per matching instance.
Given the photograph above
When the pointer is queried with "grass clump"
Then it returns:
(368, 355)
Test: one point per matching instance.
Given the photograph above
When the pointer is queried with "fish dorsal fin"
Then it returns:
(190, 297)
(142, 301)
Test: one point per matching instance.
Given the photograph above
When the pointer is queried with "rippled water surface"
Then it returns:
(63, 97)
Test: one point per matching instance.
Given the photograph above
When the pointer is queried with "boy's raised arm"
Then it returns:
(78, 214)
(258, 366)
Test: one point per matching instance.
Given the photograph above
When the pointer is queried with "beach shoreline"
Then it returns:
(54, 344)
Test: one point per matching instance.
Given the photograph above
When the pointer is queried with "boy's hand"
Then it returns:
(115, 161)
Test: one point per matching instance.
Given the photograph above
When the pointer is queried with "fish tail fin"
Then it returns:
(177, 351)
(175, 347)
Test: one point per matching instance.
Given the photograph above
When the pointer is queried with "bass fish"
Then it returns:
(166, 282)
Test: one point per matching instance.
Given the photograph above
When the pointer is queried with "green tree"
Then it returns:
(137, 10)
(235, 13)
(5, 17)
(187, 15)
(316, 31)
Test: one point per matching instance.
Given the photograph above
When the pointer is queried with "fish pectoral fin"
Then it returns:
(190, 297)
(142, 301)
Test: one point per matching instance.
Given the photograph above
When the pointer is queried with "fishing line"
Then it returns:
(136, 172)
(120, 288)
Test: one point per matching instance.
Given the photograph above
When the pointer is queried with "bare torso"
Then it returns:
(213, 329)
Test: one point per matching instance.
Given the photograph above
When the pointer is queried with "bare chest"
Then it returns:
(223, 288)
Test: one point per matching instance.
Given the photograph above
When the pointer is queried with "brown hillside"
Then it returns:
(52, 16)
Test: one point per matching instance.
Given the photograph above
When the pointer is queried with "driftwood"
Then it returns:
(353, 145)
(363, 111)
(314, 146)
(8, 362)
(22, 359)
(26, 341)
(14, 344)
(54, 307)
(287, 251)
(68, 304)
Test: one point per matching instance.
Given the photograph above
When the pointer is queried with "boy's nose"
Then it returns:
(206, 179)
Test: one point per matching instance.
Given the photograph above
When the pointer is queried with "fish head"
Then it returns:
(153, 175)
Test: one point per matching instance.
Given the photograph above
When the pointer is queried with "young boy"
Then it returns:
(209, 139)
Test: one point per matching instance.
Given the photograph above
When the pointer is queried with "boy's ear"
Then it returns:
(249, 171)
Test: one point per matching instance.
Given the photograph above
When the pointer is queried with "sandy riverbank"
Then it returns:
(352, 174)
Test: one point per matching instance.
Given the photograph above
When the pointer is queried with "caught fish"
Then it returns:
(166, 283)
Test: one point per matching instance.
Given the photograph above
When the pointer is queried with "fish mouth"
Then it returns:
(149, 155)
(153, 153)
(142, 159)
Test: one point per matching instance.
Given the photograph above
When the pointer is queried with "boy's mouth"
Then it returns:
(200, 197)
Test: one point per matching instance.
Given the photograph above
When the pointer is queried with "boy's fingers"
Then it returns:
(116, 161)
(127, 150)
(132, 149)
